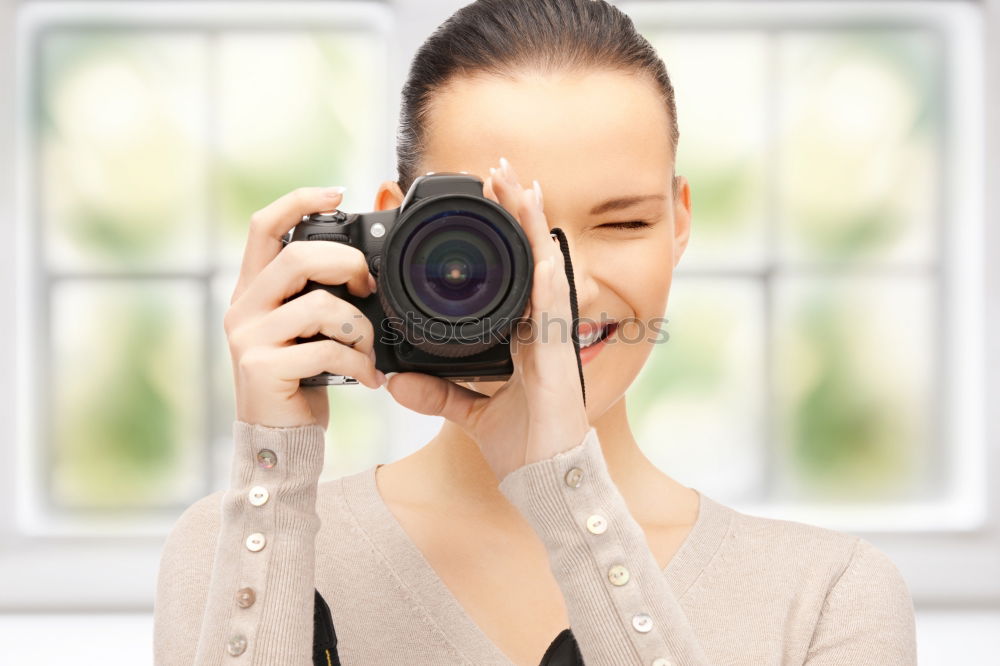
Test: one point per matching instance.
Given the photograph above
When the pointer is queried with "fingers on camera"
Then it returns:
(270, 223)
(321, 311)
(488, 190)
(506, 186)
(328, 263)
(536, 228)
(308, 359)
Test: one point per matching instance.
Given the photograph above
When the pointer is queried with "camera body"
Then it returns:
(454, 275)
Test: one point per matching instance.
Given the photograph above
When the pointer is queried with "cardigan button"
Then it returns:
(245, 596)
(237, 645)
(255, 542)
(267, 458)
(642, 623)
(574, 477)
(258, 495)
(596, 524)
(618, 575)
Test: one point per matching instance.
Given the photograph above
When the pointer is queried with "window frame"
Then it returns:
(104, 568)
(925, 540)
(101, 572)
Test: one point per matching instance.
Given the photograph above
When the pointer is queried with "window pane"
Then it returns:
(126, 384)
(359, 431)
(859, 154)
(121, 140)
(222, 369)
(296, 109)
(697, 405)
(855, 406)
(300, 108)
(130, 119)
(720, 81)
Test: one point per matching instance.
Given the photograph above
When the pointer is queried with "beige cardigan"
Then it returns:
(239, 568)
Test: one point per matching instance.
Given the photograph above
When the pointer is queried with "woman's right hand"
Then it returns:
(261, 328)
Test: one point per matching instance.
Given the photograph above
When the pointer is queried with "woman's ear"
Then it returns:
(388, 196)
(682, 217)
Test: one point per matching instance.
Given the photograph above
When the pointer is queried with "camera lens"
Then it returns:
(455, 276)
(456, 265)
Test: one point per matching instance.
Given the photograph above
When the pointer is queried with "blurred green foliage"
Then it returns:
(853, 129)
(290, 107)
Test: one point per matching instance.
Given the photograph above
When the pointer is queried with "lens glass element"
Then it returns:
(456, 264)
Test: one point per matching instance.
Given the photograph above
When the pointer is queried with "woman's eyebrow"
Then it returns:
(623, 202)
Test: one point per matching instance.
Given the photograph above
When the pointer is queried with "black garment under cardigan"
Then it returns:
(564, 650)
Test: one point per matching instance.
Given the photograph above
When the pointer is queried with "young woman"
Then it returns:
(531, 514)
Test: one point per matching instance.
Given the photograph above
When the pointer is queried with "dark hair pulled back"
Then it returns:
(501, 37)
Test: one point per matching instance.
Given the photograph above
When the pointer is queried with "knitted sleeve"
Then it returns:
(868, 615)
(237, 572)
(620, 606)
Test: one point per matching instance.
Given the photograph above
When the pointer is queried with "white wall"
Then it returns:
(125, 640)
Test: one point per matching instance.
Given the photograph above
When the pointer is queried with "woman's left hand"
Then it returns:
(539, 411)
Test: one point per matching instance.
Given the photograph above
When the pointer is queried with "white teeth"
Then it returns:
(591, 338)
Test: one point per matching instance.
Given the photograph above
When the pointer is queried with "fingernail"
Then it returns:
(335, 191)
(505, 165)
(380, 376)
(371, 354)
(538, 194)
(372, 284)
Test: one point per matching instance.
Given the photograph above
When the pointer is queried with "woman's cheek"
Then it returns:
(642, 277)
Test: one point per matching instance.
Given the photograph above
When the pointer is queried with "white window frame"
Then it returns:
(924, 539)
(99, 572)
(54, 565)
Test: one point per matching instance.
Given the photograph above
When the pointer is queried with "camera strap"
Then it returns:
(564, 247)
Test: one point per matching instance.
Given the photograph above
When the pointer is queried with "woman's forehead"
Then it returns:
(601, 120)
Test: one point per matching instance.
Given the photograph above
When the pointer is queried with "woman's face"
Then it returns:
(588, 138)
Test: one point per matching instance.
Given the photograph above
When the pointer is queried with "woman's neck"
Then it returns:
(449, 473)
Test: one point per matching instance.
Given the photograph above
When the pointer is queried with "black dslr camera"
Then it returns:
(454, 275)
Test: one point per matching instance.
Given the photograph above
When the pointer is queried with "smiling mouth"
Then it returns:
(599, 335)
